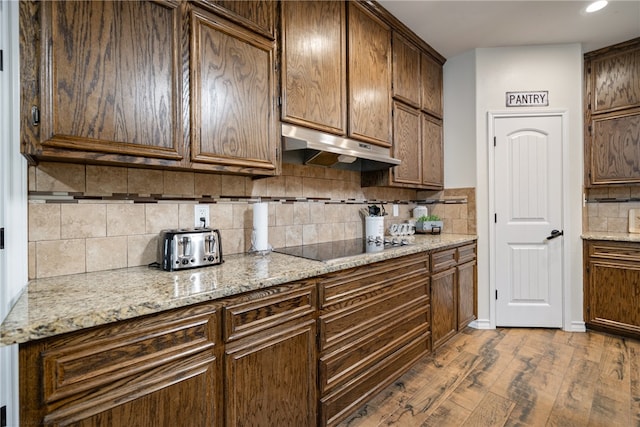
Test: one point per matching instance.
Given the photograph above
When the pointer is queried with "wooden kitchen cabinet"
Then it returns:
(612, 287)
(188, 90)
(160, 370)
(257, 15)
(270, 357)
(314, 70)
(407, 145)
(467, 273)
(373, 326)
(406, 71)
(97, 86)
(432, 153)
(612, 115)
(431, 86)
(369, 74)
(232, 97)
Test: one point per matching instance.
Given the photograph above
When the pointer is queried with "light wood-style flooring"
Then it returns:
(515, 377)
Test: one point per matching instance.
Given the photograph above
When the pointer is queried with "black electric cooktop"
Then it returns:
(340, 248)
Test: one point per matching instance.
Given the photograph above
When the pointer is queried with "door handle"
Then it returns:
(554, 234)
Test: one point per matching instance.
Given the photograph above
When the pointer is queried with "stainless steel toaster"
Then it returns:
(189, 248)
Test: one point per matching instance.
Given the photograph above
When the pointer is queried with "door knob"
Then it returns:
(554, 234)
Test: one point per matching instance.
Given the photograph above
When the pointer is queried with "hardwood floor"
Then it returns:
(515, 377)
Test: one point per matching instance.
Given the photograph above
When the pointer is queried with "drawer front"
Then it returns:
(363, 282)
(614, 251)
(337, 405)
(443, 260)
(352, 322)
(94, 359)
(466, 253)
(258, 311)
(339, 366)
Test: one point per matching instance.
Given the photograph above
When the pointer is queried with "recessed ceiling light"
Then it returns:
(596, 6)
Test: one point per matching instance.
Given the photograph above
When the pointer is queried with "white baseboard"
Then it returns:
(481, 324)
(577, 326)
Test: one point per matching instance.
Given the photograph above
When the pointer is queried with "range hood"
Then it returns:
(310, 147)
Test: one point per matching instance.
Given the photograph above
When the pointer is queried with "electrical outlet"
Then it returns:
(200, 211)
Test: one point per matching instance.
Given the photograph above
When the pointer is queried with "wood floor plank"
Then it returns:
(494, 410)
(575, 396)
(448, 414)
(606, 411)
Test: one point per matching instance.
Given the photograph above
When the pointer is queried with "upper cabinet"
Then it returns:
(257, 15)
(406, 71)
(232, 86)
(101, 86)
(314, 65)
(431, 86)
(612, 115)
(116, 83)
(369, 77)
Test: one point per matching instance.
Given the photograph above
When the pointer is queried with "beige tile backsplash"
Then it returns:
(609, 215)
(108, 226)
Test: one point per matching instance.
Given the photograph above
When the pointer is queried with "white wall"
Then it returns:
(558, 69)
(13, 195)
(459, 121)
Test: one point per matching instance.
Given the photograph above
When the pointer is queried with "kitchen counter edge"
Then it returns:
(62, 304)
(616, 237)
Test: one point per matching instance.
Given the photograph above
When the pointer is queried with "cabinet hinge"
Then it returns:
(588, 266)
(279, 101)
(35, 116)
(2, 238)
(494, 141)
(589, 129)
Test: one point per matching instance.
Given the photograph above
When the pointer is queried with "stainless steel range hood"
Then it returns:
(311, 147)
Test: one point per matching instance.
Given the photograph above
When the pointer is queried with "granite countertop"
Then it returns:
(62, 304)
(604, 235)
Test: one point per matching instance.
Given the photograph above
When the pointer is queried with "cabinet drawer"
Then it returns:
(259, 311)
(94, 359)
(339, 366)
(614, 251)
(466, 253)
(339, 404)
(364, 282)
(442, 260)
(353, 321)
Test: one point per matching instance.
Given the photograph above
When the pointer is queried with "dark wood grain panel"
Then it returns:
(30, 53)
(467, 293)
(432, 153)
(614, 251)
(258, 15)
(111, 85)
(271, 380)
(615, 296)
(616, 82)
(466, 253)
(406, 71)
(443, 259)
(248, 317)
(407, 144)
(444, 322)
(369, 77)
(615, 150)
(314, 62)
(431, 72)
(232, 93)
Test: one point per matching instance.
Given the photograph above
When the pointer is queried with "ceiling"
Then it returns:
(452, 27)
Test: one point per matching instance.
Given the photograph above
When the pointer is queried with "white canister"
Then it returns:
(419, 211)
(374, 227)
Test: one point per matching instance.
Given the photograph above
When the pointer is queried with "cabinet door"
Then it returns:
(406, 71)
(444, 323)
(270, 379)
(111, 88)
(615, 149)
(314, 65)
(432, 153)
(616, 80)
(232, 98)
(467, 294)
(431, 86)
(407, 145)
(258, 15)
(369, 77)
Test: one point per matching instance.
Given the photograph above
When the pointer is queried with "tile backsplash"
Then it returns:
(85, 218)
(607, 209)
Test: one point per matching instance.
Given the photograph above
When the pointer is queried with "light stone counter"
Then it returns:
(618, 237)
(69, 303)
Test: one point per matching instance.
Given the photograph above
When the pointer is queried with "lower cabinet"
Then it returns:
(373, 326)
(612, 287)
(270, 359)
(162, 370)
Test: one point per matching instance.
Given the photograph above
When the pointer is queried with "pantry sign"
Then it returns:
(538, 98)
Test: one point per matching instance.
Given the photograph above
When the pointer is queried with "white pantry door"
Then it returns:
(528, 208)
